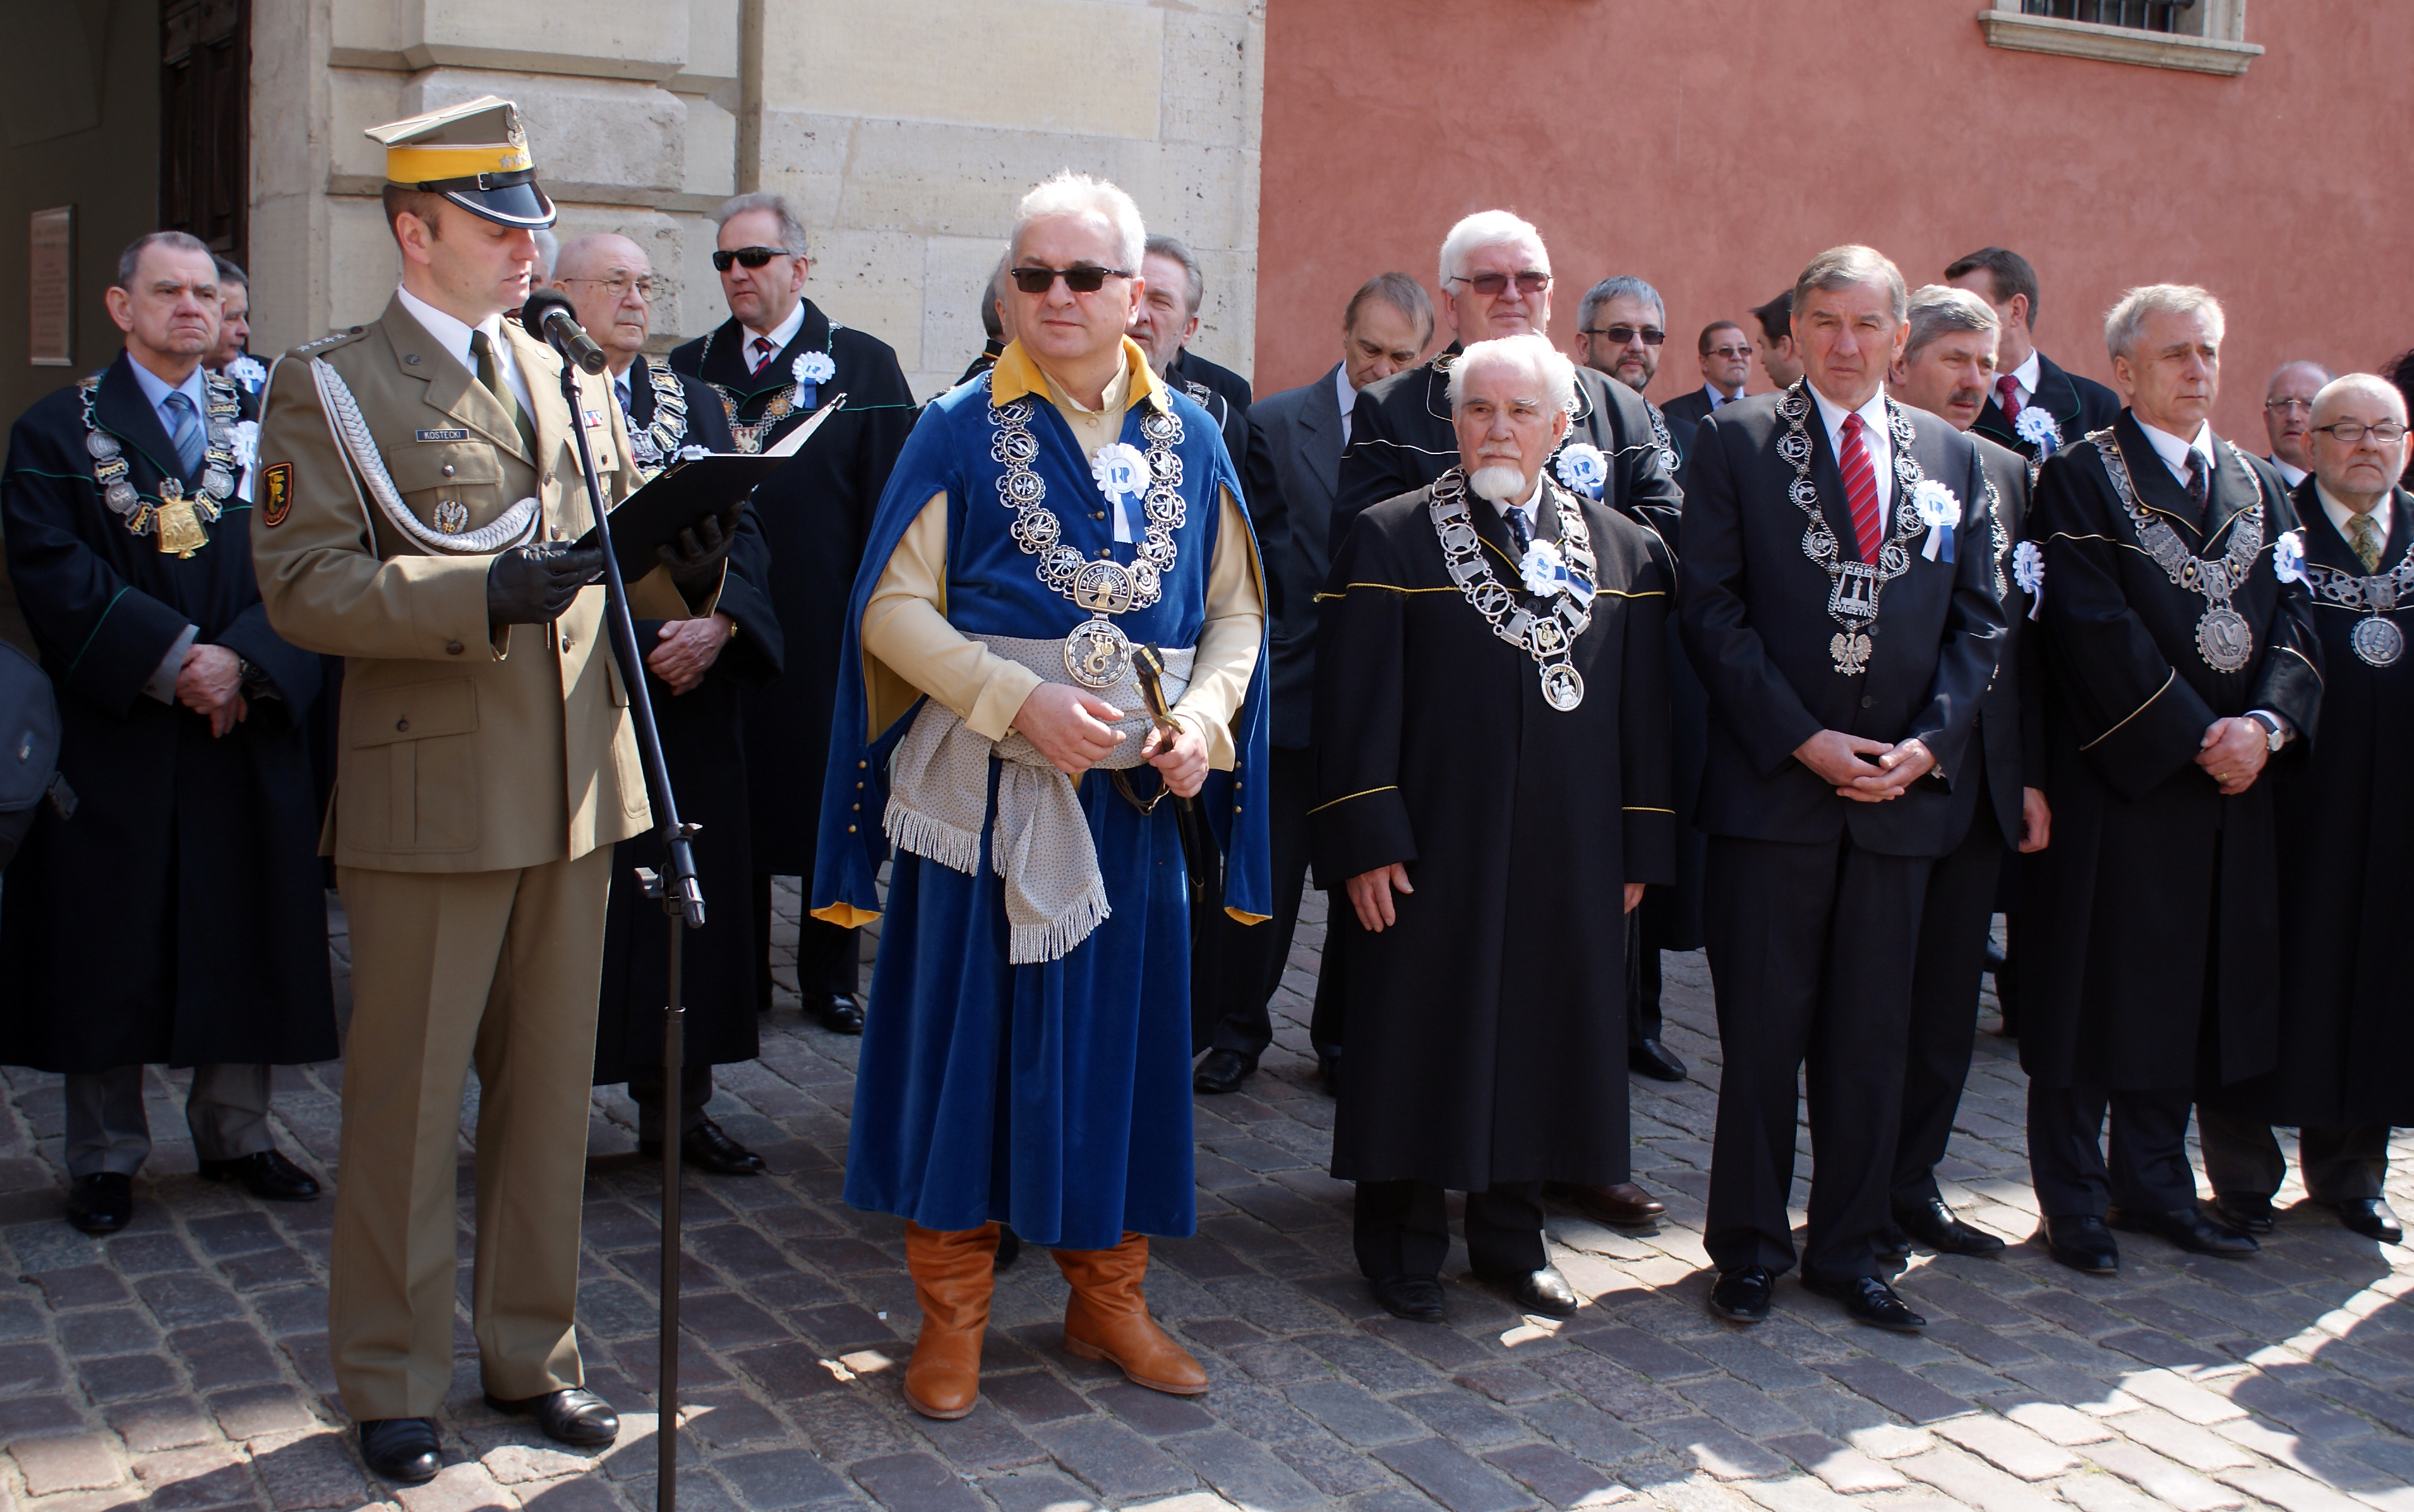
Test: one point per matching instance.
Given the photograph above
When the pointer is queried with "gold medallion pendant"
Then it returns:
(179, 527)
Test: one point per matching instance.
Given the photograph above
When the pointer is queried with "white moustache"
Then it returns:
(1496, 483)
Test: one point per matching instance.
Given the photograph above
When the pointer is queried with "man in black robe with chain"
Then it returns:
(775, 361)
(1844, 665)
(2178, 665)
(2345, 1067)
(1493, 792)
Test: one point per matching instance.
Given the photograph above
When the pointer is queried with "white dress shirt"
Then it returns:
(784, 333)
(1349, 397)
(454, 336)
(1530, 507)
(1875, 440)
(2293, 476)
(1719, 401)
(2174, 452)
(2344, 517)
(2026, 376)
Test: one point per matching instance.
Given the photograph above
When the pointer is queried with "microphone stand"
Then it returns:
(682, 901)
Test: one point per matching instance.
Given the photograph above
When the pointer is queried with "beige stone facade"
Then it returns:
(903, 130)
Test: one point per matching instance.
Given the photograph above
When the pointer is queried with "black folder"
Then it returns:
(687, 493)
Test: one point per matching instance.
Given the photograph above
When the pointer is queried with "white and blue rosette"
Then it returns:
(248, 373)
(2289, 556)
(1121, 472)
(812, 370)
(1583, 468)
(246, 441)
(2028, 574)
(2037, 426)
(1941, 512)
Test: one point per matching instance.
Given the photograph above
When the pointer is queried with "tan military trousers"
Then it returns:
(504, 966)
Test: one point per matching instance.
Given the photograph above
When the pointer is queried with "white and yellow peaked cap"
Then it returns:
(474, 154)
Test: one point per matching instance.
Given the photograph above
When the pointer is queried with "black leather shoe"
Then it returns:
(837, 1012)
(2187, 1228)
(1009, 1246)
(266, 1174)
(1742, 1296)
(2246, 1212)
(2082, 1243)
(1223, 1070)
(102, 1203)
(1893, 1243)
(708, 1147)
(1653, 1059)
(1868, 1299)
(404, 1450)
(1544, 1291)
(1623, 1206)
(1417, 1299)
(2371, 1218)
(572, 1415)
(1932, 1224)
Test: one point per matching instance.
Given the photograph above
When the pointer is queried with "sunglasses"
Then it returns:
(1738, 353)
(1624, 334)
(1083, 280)
(748, 257)
(1493, 284)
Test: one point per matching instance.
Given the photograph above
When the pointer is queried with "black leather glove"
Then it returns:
(532, 584)
(696, 554)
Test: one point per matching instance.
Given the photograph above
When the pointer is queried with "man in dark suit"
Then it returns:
(1947, 368)
(2288, 418)
(1163, 323)
(1293, 467)
(775, 361)
(1778, 359)
(2025, 377)
(1726, 365)
(1844, 665)
(1621, 323)
(2180, 665)
(992, 318)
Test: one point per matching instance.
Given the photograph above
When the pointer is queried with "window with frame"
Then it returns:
(2195, 35)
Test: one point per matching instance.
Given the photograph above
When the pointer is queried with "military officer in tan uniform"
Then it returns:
(420, 491)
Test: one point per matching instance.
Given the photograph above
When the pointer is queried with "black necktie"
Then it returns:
(1517, 531)
(2196, 485)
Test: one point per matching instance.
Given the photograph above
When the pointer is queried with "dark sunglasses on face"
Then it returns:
(1493, 284)
(751, 256)
(1621, 335)
(1082, 280)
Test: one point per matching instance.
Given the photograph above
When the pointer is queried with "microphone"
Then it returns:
(548, 313)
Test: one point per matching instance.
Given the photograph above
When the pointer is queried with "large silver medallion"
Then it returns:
(1562, 687)
(2224, 639)
(1103, 587)
(1096, 654)
(2377, 641)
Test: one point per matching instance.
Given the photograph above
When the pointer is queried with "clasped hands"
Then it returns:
(1865, 770)
(1075, 730)
(2232, 753)
(210, 683)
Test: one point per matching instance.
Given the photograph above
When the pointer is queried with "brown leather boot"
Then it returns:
(1107, 1318)
(953, 1277)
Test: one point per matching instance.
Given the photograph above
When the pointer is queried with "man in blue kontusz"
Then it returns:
(1027, 1060)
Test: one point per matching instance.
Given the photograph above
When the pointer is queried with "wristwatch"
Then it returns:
(2275, 735)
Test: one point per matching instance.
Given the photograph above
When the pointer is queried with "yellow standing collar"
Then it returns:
(1016, 374)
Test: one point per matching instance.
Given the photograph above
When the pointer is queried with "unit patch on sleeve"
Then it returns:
(276, 493)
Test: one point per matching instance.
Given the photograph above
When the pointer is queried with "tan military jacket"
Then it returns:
(458, 749)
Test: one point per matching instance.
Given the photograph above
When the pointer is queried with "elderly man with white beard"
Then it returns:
(1493, 793)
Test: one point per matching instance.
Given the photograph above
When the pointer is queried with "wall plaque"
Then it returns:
(51, 285)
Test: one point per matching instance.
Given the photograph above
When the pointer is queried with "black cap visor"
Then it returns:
(516, 204)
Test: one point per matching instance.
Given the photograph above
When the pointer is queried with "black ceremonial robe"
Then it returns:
(2346, 825)
(2155, 886)
(1487, 1031)
(177, 918)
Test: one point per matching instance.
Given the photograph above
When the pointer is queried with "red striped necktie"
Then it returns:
(764, 352)
(1862, 490)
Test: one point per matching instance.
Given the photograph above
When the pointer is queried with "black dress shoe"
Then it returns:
(572, 1415)
(1009, 1245)
(1893, 1243)
(2082, 1243)
(1417, 1299)
(266, 1174)
(2246, 1212)
(708, 1147)
(1623, 1206)
(2371, 1218)
(2186, 1227)
(1544, 1291)
(1223, 1070)
(404, 1450)
(1932, 1224)
(837, 1012)
(1868, 1299)
(102, 1203)
(1742, 1296)
(1653, 1059)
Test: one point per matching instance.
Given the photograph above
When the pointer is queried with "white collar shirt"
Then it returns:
(2026, 376)
(2293, 476)
(1718, 401)
(1875, 438)
(1530, 508)
(784, 333)
(2343, 517)
(1348, 397)
(454, 336)
(2174, 452)
(155, 389)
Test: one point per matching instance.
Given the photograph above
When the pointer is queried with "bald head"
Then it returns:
(2361, 473)
(610, 281)
(2288, 409)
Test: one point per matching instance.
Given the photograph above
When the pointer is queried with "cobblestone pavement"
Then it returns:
(183, 1364)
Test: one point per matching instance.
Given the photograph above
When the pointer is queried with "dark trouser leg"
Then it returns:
(1254, 955)
(1951, 958)
(1504, 1231)
(645, 1090)
(1642, 981)
(2344, 1162)
(107, 1129)
(1400, 1229)
(227, 1110)
(1325, 1026)
(2242, 1155)
(2147, 1155)
(826, 962)
(762, 900)
(2066, 1150)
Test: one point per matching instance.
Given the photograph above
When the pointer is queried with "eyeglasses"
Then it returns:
(2283, 406)
(1081, 280)
(1739, 353)
(1493, 284)
(1624, 334)
(2347, 432)
(749, 257)
(619, 288)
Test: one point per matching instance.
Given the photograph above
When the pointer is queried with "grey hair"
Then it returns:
(1530, 350)
(1850, 266)
(1486, 228)
(230, 272)
(130, 262)
(1170, 247)
(2370, 383)
(2127, 315)
(991, 323)
(1078, 193)
(1938, 308)
(792, 231)
(1622, 286)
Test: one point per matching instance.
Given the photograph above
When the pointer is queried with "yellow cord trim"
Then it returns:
(1387, 588)
(1243, 916)
(846, 916)
(1387, 788)
(1644, 808)
(2168, 679)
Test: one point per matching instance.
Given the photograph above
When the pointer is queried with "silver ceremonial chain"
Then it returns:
(654, 446)
(178, 520)
(1667, 443)
(1547, 637)
(2377, 640)
(2222, 637)
(1096, 654)
(1852, 586)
